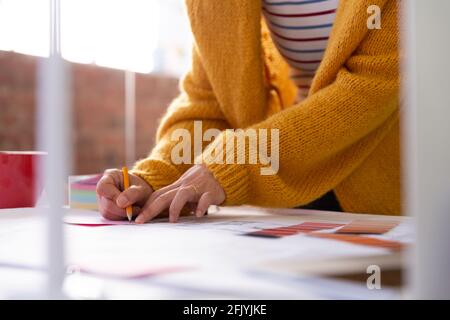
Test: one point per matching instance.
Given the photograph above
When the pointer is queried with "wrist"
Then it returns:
(156, 173)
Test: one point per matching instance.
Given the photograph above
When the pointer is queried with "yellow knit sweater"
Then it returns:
(343, 137)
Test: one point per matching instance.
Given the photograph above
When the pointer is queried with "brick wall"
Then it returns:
(98, 111)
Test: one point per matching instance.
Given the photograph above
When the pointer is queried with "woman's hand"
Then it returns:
(112, 201)
(197, 185)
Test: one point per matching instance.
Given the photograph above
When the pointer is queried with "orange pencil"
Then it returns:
(126, 185)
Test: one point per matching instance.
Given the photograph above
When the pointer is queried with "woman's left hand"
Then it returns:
(196, 185)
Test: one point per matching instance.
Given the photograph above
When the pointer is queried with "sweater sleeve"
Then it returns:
(195, 102)
(326, 136)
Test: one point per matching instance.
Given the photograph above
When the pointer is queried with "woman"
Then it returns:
(311, 69)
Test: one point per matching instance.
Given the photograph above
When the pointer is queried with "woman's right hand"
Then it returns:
(112, 201)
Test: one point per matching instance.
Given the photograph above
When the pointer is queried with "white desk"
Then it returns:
(207, 258)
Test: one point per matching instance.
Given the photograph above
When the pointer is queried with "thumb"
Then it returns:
(133, 195)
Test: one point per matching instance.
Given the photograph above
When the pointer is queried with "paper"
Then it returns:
(213, 222)
(121, 249)
(90, 218)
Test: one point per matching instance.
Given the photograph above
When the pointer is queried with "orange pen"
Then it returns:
(126, 185)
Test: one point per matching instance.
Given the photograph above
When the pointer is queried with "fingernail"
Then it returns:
(122, 201)
(198, 213)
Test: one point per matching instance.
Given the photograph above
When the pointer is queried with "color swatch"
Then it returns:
(362, 240)
(368, 227)
(305, 227)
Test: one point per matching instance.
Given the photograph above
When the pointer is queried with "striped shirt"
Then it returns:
(300, 30)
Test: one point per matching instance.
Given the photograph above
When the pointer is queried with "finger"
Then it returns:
(188, 209)
(110, 208)
(116, 175)
(110, 216)
(108, 187)
(183, 195)
(133, 195)
(203, 204)
(155, 207)
(164, 190)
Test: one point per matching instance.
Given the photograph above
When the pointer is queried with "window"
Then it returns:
(136, 35)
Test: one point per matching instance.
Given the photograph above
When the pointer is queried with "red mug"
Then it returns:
(19, 185)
